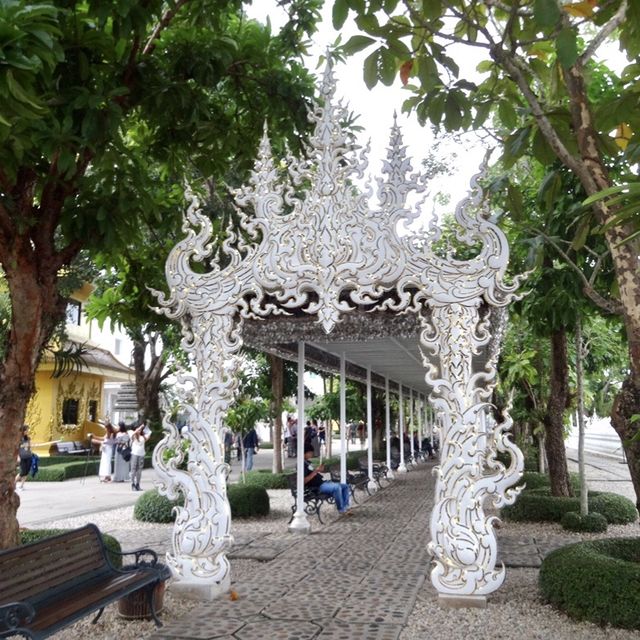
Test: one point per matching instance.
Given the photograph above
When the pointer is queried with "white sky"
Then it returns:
(377, 106)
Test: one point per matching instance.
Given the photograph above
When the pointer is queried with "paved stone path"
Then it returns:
(354, 579)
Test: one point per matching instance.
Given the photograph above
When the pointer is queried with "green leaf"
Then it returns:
(507, 114)
(19, 93)
(370, 68)
(387, 67)
(546, 13)
(339, 14)
(582, 233)
(432, 9)
(567, 47)
(357, 43)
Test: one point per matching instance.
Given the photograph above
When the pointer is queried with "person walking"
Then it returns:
(138, 437)
(24, 456)
(122, 462)
(250, 443)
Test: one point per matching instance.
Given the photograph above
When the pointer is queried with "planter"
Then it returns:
(135, 605)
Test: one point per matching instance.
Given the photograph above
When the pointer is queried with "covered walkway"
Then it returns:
(354, 579)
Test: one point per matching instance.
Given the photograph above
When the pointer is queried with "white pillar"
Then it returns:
(411, 444)
(343, 419)
(300, 523)
(420, 416)
(402, 467)
(372, 486)
(387, 413)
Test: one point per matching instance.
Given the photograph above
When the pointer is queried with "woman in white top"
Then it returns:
(108, 443)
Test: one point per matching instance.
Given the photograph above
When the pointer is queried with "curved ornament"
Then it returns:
(316, 245)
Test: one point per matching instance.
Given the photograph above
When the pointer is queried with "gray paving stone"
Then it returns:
(278, 630)
(339, 630)
(201, 628)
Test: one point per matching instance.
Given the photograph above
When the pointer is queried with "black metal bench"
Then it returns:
(313, 499)
(378, 470)
(50, 584)
(68, 448)
(354, 480)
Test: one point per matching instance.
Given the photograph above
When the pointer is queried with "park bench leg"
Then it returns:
(98, 616)
(152, 605)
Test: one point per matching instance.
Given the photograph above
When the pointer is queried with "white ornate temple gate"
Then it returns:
(323, 265)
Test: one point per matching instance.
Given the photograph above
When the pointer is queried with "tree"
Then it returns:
(538, 57)
(80, 84)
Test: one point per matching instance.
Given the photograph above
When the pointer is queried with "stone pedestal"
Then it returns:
(462, 602)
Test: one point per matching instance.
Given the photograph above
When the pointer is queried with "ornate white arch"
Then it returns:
(318, 248)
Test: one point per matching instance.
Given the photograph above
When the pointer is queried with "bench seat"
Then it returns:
(50, 584)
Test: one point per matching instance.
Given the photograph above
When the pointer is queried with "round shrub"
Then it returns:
(152, 507)
(592, 522)
(538, 506)
(248, 501)
(266, 479)
(615, 508)
(598, 580)
(27, 536)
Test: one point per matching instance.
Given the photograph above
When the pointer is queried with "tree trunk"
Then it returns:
(36, 309)
(584, 496)
(554, 417)
(277, 391)
(148, 381)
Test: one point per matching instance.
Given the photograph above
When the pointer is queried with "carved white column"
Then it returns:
(420, 415)
(372, 486)
(463, 540)
(411, 443)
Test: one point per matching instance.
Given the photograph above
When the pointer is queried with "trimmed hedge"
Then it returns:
(248, 501)
(71, 467)
(152, 507)
(264, 478)
(536, 506)
(592, 522)
(598, 580)
(534, 480)
(28, 536)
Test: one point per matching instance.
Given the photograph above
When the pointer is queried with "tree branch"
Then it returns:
(164, 22)
(608, 305)
(607, 29)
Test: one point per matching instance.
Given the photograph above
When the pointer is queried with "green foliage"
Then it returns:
(152, 507)
(266, 479)
(535, 506)
(27, 536)
(248, 501)
(591, 522)
(616, 509)
(595, 580)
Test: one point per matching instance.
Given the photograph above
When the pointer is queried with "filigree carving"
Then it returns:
(316, 246)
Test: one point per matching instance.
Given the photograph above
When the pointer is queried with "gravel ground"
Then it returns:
(514, 611)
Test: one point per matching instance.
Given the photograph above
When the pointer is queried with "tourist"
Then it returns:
(312, 478)
(107, 444)
(250, 443)
(139, 437)
(228, 445)
(322, 432)
(24, 456)
(122, 461)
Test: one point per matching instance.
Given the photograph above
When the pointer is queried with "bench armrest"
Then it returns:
(139, 560)
(13, 615)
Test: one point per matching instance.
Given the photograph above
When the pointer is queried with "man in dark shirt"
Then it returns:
(312, 478)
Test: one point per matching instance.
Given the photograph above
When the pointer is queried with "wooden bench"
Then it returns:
(50, 584)
(313, 499)
(69, 448)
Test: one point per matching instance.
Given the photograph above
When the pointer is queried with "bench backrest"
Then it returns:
(42, 566)
(65, 447)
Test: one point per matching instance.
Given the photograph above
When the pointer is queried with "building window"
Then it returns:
(70, 411)
(93, 410)
(74, 312)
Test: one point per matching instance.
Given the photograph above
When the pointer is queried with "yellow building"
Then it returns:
(68, 407)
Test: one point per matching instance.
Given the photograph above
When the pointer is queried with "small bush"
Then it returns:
(592, 522)
(266, 479)
(595, 580)
(152, 507)
(538, 506)
(27, 536)
(248, 501)
(266, 445)
(615, 508)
